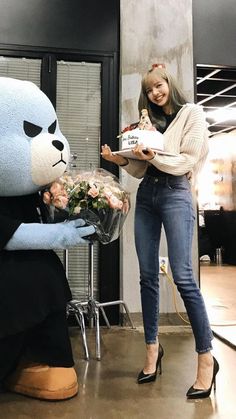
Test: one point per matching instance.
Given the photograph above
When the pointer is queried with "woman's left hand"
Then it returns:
(143, 153)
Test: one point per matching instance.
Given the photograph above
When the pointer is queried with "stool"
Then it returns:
(91, 307)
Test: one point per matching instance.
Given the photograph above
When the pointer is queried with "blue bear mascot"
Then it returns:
(35, 351)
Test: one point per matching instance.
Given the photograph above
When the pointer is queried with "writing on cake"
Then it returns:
(142, 133)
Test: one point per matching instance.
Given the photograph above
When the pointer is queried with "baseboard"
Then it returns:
(165, 319)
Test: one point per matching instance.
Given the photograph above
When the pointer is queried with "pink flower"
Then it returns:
(114, 202)
(57, 188)
(56, 196)
(93, 191)
(60, 201)
(47, 198)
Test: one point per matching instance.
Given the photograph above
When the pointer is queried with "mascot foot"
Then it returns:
(43, 382)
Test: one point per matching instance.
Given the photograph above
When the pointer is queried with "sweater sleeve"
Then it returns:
(188, 138)
(136, 168)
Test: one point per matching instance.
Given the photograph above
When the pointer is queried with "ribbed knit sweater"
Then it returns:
(187, 138)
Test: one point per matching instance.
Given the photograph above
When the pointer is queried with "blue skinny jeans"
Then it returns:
(167, 200)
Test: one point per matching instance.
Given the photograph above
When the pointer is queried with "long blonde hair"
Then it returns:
(176, 97)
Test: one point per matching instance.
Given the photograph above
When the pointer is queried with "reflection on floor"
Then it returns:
(218, 285)
(108, 388)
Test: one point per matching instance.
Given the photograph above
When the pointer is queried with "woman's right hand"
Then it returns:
(107, 154)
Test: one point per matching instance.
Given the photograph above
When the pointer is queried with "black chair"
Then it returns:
(215, 229)
(229, 237)
(204, 244)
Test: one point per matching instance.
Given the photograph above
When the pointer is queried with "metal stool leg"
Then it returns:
(75, 309)
(120, 302)
(80, 319)
(97, 325)
(104, 316)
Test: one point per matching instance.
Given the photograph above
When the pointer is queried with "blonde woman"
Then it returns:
(164, 199)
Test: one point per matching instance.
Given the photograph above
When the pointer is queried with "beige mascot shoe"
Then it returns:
(43, 382)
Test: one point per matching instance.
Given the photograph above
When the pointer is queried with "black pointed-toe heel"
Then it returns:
(148, 378)
(195, 393)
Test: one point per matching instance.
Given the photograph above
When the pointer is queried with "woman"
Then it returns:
(164, 197)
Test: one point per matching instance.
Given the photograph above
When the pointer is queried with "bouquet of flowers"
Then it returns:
(95, 196)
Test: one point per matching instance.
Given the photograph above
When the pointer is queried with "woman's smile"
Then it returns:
(158, 100)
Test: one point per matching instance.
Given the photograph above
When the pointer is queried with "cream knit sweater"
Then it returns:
(187, 138)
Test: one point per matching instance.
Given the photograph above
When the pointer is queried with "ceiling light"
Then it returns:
(222, 114)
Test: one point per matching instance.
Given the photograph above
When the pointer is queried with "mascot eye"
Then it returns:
(31, 130)
(52, 127)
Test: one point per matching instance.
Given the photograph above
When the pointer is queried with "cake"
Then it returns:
(143, 133)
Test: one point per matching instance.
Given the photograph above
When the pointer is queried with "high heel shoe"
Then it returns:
(195, 393)
(147, 378)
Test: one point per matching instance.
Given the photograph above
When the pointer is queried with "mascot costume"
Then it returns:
(35, 351)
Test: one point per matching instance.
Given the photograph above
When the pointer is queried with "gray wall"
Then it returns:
(214, 32)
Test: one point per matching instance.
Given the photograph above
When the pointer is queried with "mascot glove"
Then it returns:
(49, 236)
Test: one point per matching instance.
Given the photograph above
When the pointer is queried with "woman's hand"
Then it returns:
(143, 154)
(107, 154)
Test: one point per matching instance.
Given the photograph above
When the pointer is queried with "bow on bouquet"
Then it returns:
(95, 196)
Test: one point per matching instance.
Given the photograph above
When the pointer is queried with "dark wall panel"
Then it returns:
(214, 32)
(85, 25)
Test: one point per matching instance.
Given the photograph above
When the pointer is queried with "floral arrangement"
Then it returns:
(95, 196)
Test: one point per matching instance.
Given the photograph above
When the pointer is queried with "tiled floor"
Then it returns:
(108, 388)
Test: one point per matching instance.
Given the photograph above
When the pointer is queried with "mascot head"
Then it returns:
(33, 150)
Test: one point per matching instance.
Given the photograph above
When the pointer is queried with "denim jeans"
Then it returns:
(167, 200)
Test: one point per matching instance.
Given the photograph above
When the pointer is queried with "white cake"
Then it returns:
(142, 133)
(149, 138)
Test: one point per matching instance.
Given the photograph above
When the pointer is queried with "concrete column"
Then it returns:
(151, 32)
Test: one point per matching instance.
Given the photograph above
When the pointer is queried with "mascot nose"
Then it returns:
(58, 144)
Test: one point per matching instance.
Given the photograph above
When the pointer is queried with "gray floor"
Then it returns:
(108, 388)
